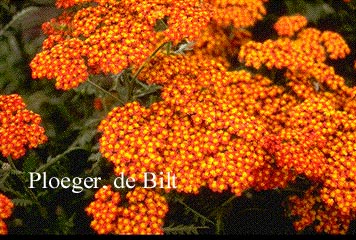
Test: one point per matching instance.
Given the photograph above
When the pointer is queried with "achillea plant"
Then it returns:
(19, 128)
(211, 128)
(6, 207)
(71, 3)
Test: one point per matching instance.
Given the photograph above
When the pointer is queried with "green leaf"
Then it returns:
(183, 229)
(51, 161)
(30, 163)
(95, 157)
(19, 17)
(22, 202)
(88, 89)
(65, 223)
(196, 215)
(296, 6)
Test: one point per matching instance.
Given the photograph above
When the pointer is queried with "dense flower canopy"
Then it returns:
(235, 130)
(230, 113)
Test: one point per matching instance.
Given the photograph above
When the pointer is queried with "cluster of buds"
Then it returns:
(6, 207)
(143, 214)
(19, 128)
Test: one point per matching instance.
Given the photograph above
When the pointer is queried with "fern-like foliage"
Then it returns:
(183, 229)
(22, 202)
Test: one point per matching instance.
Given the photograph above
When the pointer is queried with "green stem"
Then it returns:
(140, 83)
(252, 209)
(219, 223)
(219, 214)
(56, 159)
(195, 212)
(169, 230)
(148, 59)
(228, 201)
(105, 91)
(6, 189)
(169, 47)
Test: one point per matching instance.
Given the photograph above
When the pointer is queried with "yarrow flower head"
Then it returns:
(112, 36)
(143, 214)
(19, 128)
(6, 207)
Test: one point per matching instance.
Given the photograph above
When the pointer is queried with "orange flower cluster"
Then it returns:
(112, 36)
(317, 138)
(289, 25)
(334, 44)
(311, 210)
(303, 58)
(5, 212)
(19, 127)
(239, 13)
(207, 129)
(66, 64)
(318, 142)
(144, 213)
